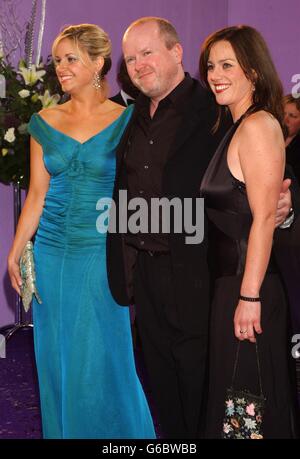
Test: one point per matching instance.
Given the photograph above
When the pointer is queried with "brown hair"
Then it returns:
(254, 58)
(166, 29)
(290, 99)
(92, 39)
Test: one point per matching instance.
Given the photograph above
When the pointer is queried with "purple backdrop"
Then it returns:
(194, 19)
(278, 21)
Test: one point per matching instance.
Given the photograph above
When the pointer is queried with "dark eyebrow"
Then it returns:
(227, 59)
(223, 60)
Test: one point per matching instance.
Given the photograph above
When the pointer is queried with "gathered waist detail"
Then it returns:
(70, 215)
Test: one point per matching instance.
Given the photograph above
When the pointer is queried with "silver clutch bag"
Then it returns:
(27, 270)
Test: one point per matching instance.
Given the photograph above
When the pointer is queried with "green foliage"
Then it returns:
(27, 92)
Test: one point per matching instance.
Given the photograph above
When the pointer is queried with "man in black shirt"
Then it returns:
(163, 154)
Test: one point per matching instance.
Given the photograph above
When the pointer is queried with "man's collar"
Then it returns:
(125, 97)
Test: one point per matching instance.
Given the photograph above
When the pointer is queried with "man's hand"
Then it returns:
(285, 202)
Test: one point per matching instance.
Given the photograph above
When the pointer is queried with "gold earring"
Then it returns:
(97, 81)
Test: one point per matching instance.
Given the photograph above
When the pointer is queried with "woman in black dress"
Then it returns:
(241, 189)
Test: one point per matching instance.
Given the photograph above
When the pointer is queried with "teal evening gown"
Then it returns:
(83, 346)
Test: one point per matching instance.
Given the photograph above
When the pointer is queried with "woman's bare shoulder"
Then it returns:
(54, 113)
(261, 128)
(260, 120)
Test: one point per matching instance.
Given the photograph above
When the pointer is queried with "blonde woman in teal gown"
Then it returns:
(87, 377)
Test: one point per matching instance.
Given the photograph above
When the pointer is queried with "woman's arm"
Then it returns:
(31, 212)
(261, 156)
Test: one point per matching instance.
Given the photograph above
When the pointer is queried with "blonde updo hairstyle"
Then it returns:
(91, 39)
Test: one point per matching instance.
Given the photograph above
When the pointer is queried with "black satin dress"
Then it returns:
(230, 220)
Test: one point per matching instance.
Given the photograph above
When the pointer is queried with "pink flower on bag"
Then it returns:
(229, 403)
(226, 428)
(250, 409)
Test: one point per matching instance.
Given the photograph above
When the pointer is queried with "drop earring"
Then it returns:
(97, 81)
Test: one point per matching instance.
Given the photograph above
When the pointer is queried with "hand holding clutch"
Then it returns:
(27, 271)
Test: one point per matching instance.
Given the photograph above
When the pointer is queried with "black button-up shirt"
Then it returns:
(148, 150)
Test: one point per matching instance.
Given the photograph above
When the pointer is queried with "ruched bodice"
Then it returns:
(83, 345)
(80, 175)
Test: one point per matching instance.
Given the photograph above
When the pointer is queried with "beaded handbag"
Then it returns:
(27, 270)
(243, 410)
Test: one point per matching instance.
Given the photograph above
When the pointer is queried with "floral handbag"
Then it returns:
(243, 410)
